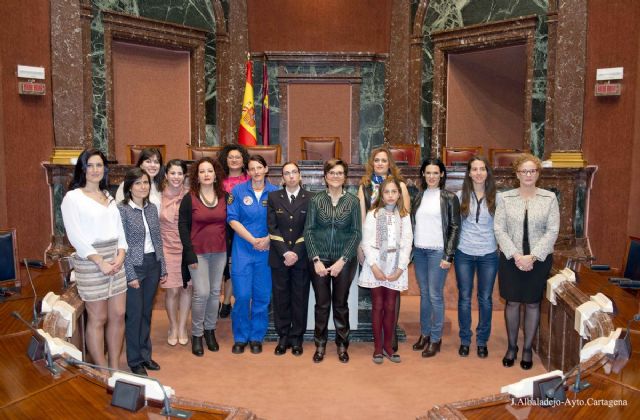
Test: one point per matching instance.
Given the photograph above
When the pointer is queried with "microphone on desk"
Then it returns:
(38, 348)
(35, 319)
(167, 410)
(625, 282)
(312, 161)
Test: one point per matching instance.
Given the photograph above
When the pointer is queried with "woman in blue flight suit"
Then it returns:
(250, 272)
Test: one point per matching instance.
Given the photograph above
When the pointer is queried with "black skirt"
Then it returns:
(523, 286)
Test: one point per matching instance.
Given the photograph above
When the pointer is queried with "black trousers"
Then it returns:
(290, 300)
(333, 290)
(139, 309)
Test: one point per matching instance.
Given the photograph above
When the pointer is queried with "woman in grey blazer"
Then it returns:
(526, 225)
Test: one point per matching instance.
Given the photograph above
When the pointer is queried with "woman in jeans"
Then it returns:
(435, 215)
(476, 253)
(202, 226)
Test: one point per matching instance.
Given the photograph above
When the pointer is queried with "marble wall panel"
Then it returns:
(448, 14)
(193, 13)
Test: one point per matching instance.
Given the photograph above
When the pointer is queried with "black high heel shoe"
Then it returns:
(508, 362)
(526, 365)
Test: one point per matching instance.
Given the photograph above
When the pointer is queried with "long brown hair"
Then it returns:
(489, 188)
(218, 188)
(379, 203)
(393, 168)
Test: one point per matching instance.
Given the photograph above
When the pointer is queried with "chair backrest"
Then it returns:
(271, 153)
(409, 153)
(319, 148)
(631, 265)
(459, 156)
(503, 158)
(198, 152)
(136, 149)
(8, 255)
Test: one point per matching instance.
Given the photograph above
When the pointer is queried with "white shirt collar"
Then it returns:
(135, 206)
(295, 193)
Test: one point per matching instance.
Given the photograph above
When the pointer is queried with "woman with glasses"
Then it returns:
(476, 253)
(435, 214)
(527, 222)
(288, 259)
(332, 234)
(234, 160)
(250, 273)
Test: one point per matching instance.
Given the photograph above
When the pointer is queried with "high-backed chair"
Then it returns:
(459, 156)
(8, 256)
(136, 149)
(271, 153)
(198, 152)
(409, 153)
(503, 158)
(319, 148)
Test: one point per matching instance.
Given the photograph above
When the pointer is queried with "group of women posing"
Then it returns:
(160, 231)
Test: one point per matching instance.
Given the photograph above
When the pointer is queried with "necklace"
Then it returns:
(208, 203)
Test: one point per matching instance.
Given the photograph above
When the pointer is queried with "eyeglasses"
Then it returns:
(234, 157)
(335, 174)
(291, 173)
(528, 171)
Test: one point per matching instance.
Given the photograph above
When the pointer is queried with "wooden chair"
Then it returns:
(503, 158)
(271, 153)
(631, 266)
(198, 152)
(459, 156)
(9, 271)
(320, 148)
(409, 153)
(136, 149)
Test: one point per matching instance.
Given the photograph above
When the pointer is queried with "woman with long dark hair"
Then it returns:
(144, 266)
(436, 219)
(202, 227)
(150, 161)
(94, 228)
(476, 253)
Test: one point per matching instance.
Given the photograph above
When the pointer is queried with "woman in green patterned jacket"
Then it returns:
(332, 234)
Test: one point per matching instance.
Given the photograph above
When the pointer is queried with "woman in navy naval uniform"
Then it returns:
(250, 273)
(286, 216)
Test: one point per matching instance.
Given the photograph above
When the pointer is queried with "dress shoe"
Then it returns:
(172, 340)
(183, 339)
(210, 339)
(422, 341)
(508, 361)
(432, 349)
(280, 350)
(343, 356)
(483, 352)
(151, 364)
(196, 346)
(524, 364)
(318, 356)
(394, 357)
(225, 310)
(463, 350)
(139, 370)
(296, 350)
(238, 348)
(255, 346)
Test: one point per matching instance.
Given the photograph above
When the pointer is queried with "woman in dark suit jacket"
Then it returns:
(286, 215)
(144, 265)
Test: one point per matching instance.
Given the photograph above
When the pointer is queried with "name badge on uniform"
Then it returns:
(247, 200)
(264, 203)
(279, 211)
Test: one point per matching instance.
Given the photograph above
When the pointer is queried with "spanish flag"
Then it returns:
(247, 131)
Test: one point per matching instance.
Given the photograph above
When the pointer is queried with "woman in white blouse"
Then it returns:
(386, 243)
(93, 225)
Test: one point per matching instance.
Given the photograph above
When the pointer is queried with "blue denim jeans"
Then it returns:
(466, 266)
(431, 280)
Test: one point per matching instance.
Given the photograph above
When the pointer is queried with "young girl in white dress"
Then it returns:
(386, 241)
